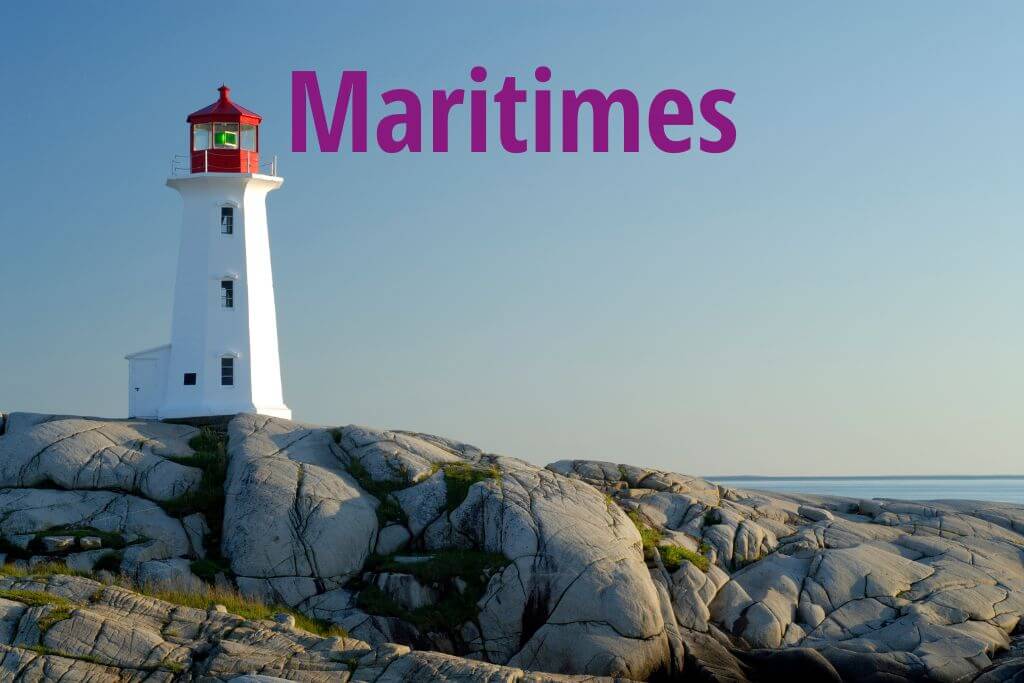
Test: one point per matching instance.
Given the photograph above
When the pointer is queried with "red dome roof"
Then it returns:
(224, 110)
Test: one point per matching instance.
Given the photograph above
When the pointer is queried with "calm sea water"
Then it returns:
(1004, 489)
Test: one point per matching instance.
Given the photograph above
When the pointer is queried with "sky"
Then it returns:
(839, 294)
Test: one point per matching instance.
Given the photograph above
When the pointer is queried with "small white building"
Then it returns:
(223, 356)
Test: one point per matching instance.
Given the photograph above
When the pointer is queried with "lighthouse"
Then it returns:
(223, 356)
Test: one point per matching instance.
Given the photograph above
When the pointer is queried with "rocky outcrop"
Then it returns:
(883, 590)
(445, 562)
(571, 595)
(74, 629)
(87, 491)
(86, 454)
(296, 523)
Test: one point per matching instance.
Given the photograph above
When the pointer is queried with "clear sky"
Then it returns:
(839, 294)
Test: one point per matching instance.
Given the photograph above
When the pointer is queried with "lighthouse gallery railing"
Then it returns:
(181, 164)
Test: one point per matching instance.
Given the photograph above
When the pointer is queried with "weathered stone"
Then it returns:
(293, 517)
(24, 511)
(829, 588)
(58, 544)
(85, 561)
(578, 563)
(90, 542)
(391, 539)
(424, 502)
(196, 529)
(174, 572)
(815, 514)
(129, 456)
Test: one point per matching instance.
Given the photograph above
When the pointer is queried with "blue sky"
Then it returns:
(839, 294)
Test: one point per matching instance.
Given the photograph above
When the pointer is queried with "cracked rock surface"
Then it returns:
(296, 523)
(109, 633)
(79, 453)
(884, 590)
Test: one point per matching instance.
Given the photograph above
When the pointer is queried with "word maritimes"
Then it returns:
(669, 115)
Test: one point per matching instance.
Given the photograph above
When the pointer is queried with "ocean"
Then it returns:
(1008, 489)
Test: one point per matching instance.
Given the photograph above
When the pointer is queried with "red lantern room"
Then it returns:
(224, 137)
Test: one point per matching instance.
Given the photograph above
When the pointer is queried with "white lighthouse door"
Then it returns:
(143, 390)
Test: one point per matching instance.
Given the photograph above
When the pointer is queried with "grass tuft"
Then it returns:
(211, 457)
(389, 510)
(41, 570)
(246, 606)
(173, 667)
(460, 476)
(43, 650)
(649, 536)
(674, 555)
(61, 606)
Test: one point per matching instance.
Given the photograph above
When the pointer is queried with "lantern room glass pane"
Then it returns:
(249, 138)
(201, 134)
(225, 136)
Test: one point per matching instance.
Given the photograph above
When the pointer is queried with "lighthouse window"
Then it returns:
(190, 379)
(227, 293)
(227, 372)
(227, 220)
(225, 136)
(249, 138)
(201, 133)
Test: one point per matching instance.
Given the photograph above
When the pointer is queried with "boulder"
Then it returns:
(391, 539)
(90, 542)
(424, 502)
(295, 521)
(26, 512)
(130, 456)
(576, 596)
(815, 514)
(58, 544)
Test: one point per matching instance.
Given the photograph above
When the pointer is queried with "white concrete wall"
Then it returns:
(146, 392)
(202, 331)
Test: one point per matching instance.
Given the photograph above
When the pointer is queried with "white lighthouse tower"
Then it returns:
(223, 357)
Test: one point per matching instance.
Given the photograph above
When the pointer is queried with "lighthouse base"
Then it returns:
(180, 412)
(149, 397)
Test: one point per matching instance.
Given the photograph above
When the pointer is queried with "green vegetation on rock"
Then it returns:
(649, 536)
(211, 457)
(469, 565)
(246, 606)
(61, 607)
(456, 607)
(208, 568)
(110, 562)
(43, 650)
(389, 510)
(674, 555)
(41, 570)
(459, 476)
